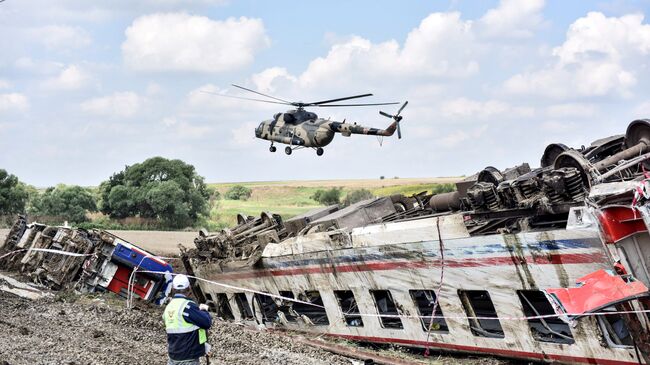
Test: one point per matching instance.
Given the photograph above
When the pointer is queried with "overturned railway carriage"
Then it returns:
(490, 269)
(84, 260)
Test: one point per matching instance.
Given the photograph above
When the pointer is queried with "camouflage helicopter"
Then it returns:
(302, 129)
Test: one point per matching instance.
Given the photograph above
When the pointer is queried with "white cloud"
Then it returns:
(120, 104)
(37, 66)
(596, 36)
(459, 136)
(264, 81)
(184, 129)
(441, 46)
(600, 56)
(58, 37)
(243, 135)
(467, 108)
(512, 19)
(579, 110)
(70, 78)
(558, 127)
(4, 84)
(182, 42)
(13, 102)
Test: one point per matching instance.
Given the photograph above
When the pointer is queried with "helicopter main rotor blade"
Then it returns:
(243, 98)
(331, 105)
(259, 93)
(339, 99)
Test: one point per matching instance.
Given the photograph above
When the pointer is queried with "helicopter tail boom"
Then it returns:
(348, 129)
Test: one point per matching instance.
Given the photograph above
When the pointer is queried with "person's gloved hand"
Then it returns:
(203, 307)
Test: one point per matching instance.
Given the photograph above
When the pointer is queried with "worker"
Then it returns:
(186, 324)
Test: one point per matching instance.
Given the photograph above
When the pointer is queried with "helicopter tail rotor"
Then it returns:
(397, 118)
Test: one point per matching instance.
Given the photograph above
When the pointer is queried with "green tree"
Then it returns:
(327, 197)
(70, 202)
(168, 190)
(356, 196)
(238, 192)
(13, 194)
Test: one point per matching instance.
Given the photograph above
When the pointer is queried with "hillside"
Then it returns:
(290, 198)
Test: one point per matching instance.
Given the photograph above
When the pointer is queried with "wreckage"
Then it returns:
(84, 260)
(491, 268)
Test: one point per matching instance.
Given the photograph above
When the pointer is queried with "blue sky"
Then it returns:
(89, 87)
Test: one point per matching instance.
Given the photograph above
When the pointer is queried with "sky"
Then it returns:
(89, 87)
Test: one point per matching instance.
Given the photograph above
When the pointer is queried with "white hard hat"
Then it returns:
(180, 282)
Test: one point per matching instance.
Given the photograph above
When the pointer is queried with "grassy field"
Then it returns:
(290, 198)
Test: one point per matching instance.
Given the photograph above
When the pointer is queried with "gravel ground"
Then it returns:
(96, 331)
(82, 330)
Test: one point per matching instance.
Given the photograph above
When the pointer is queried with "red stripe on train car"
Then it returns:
(556, 259)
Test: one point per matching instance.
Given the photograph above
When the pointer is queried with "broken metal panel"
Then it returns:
(596, 291)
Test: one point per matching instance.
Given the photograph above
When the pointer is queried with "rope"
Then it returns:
(433, 316)
(442, 276)
(48, 250)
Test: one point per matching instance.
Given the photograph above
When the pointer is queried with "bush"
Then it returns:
(69, 202)
(443, 188)
(356, 196)
(238, 192)
(327, 197)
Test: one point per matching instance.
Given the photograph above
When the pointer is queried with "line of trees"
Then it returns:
(166, 191)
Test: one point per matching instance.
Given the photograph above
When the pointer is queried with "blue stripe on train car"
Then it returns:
(138, 257)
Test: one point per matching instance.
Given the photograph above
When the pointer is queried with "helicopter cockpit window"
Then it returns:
(276, 116)
(289, 118)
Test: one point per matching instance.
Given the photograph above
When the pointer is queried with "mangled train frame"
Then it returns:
(490, 268)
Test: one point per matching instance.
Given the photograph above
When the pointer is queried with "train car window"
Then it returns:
(244, 308)
(349, 307)
(477, 303)
(267, 306)
(223, 307)
(316, 313)
(287, 306)
(424, 300)
(388, 314)
(551, 329)
(614, 329)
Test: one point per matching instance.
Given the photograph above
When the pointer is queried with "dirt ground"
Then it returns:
(78, 330)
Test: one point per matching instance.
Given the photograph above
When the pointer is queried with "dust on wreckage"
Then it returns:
(547, 263)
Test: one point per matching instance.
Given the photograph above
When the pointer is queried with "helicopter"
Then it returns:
(300, 128)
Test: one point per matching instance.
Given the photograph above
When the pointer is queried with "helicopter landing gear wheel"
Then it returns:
(272, 148)
(288, 150)
(319, 151)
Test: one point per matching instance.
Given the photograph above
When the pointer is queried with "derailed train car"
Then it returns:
(85, 260)
(547, 264)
